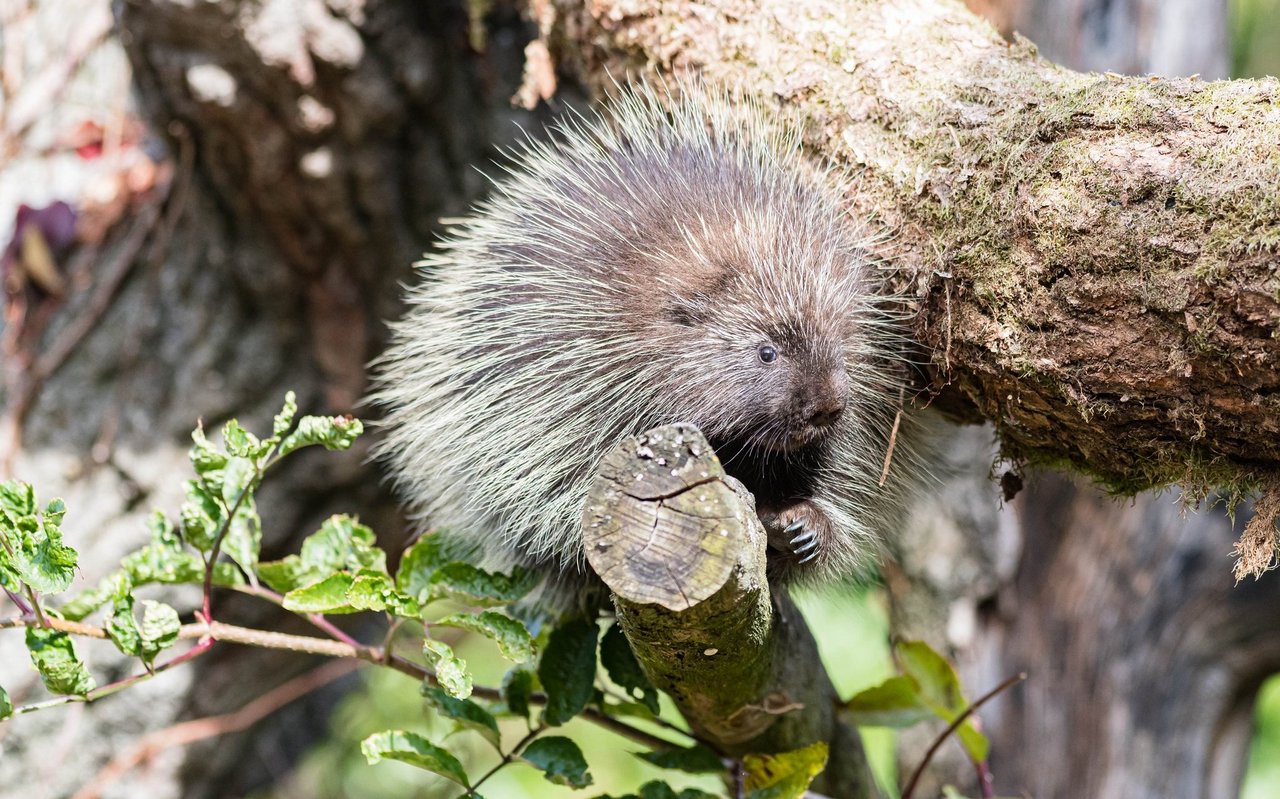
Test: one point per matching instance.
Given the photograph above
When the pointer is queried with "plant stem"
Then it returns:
(955, 725)
(119, 685)
(506, 759)
(266, 639)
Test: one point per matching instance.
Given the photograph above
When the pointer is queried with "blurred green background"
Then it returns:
(852, 635)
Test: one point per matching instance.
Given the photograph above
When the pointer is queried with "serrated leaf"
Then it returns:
(786, 775)
(623, 668)
(559, 759)
(466, 713)
(54, 656)
(474, 586)
(332, 432)
(200, 515)
(17, 498)
(154, 563)
(42, 561)
(694, 760)
(159, 628)
(369, 590)
(284, 419)
(341, 543)
(451, 670)
(517, 684)
(408, 747)
(205, 458)
(6, 705)
(893, 703)
(326, 596)
(567, 670)
(240, 443)
(243, 539)
(513, 640)
(34, 553)
(121, 626)
(418, 563)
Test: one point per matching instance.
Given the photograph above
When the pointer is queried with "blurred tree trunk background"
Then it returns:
(312, 149)
(305, 152)
(1144, 660)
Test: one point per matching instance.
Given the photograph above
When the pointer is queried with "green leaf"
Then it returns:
(695, 760)
(205, 458)
(341, 543)
(159, 630)
(893, 703)
(418, 563)
(466, 713)
(35, 554)
(513, 640)
(517, 684)
(284, 419)
(559, 759)
(54, 656)
(415, 750)
(474, 586)
(200, 515)
(623, 668)
(784, 776)
(567, 670)
(331, 432)
(937, 683)
(451, 670)
(939, 689)
(656, 789)
(17, 499)
(243, 540)
(327, 596)
(6, 705)
(241, 443)
(121, 626)
(369, 591)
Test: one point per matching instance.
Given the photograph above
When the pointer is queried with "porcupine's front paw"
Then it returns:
(799, 533)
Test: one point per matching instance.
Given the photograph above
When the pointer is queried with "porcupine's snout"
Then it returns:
(827, 400)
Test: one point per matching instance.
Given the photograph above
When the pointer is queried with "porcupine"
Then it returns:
(675, 258)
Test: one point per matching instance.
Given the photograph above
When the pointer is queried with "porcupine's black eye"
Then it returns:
(768, 354)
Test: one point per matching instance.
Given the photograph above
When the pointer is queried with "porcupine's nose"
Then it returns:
(827, 414)
(829, 404)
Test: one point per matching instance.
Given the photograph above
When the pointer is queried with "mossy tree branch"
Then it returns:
(679, 545)
(1095, 258)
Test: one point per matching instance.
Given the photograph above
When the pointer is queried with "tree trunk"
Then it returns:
(1094, 256)
(1144, 658)
(316, 146)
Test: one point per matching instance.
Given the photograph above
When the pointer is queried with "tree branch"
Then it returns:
(678, 543)
(1094, 258)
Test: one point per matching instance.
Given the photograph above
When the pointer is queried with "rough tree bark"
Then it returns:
(680, 547)
(1095, 256)
(1144, 658)
(317, 146)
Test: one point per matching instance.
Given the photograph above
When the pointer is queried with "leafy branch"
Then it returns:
(566, 672)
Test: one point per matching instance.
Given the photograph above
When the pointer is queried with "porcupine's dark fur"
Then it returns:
(639, 269)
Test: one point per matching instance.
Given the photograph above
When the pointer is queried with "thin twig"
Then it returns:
(955, 725)
(506, 759)
(200, 729)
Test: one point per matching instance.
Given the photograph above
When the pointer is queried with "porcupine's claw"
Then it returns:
(803, 541)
